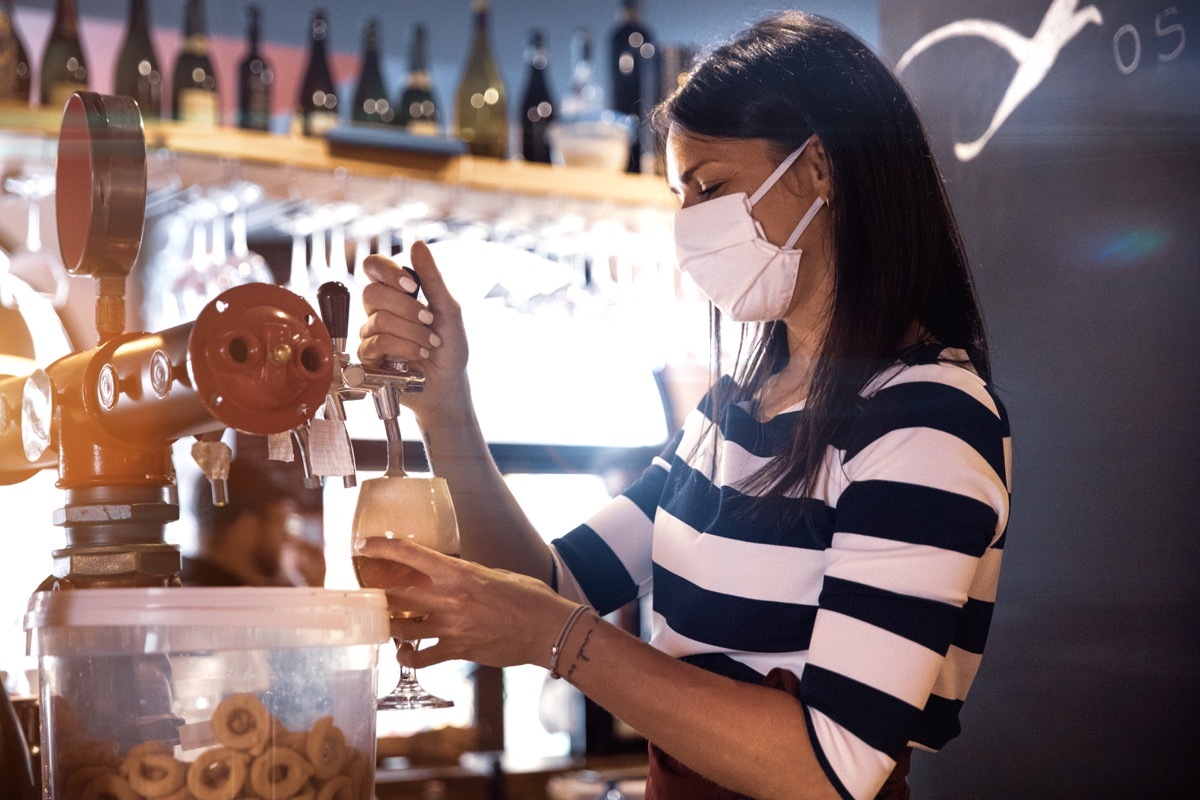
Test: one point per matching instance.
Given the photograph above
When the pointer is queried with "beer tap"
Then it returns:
(353, 381)
(256, 359)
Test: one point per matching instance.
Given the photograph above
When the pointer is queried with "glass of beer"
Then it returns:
(419, 510)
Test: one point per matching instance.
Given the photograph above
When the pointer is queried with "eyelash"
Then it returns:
(706, 191)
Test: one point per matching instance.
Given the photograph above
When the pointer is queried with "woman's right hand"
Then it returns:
(429, 336)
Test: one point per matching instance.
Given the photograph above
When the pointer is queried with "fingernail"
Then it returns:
(359, 544)
(435, 340)
(425, 316)
(408, 284)
(424, 353)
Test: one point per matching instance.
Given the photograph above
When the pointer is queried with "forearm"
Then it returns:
(493, 528)
(747, 738)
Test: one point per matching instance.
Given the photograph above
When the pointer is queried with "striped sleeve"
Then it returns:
(609, 555)
(910, 574)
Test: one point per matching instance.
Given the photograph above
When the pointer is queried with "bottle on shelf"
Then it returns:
(371, 102)
(137, 73)
(481, 105)
(194, 84)
(632, 68)
(417, 107)
(15, 73)
(584, 98)
(8, 54)
(255, 78)
(317, 105)
(64, 68)
(537, 106)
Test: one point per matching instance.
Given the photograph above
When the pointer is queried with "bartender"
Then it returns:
(823, 536)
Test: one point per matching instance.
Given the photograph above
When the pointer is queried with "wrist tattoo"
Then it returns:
(581, 655)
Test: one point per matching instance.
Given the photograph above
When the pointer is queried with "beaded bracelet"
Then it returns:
(556, 648)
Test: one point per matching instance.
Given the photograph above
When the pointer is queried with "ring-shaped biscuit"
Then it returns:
(183, 794)
(325, 748)
(79, 779)
(279, 773)
(242, 722)
(217, 774)
(155, 775)
(338, 788)
(109, 786)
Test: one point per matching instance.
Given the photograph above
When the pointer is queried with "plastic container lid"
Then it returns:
(95, 622)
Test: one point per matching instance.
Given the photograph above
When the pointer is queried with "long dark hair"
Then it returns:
(896, 249)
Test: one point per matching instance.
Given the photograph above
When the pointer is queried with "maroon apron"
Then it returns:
(669, 779)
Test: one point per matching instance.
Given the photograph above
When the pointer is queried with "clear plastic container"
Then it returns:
(208, 693)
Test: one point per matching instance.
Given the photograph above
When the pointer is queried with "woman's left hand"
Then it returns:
(488, 616)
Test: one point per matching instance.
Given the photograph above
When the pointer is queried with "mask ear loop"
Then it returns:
(808, 217)
(778, 173)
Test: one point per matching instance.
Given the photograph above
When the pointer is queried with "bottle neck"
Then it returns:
(66, 18)
(418, 58)
(139, 20)
(629, 12)
(317, 33)
(195, 32)
(253, 35)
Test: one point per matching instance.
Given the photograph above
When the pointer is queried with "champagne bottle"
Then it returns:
(137, 73)
(481, 106)
(317, 106)
(64, 68)
(632, 65)
(537, 107)
(584, 99)
(254, 80)
(371, 102)
(194, 84)
(417, 108)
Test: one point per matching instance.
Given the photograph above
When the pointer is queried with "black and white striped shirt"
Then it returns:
(879, 598)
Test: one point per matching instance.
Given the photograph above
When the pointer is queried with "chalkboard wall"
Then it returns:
(1081, 214)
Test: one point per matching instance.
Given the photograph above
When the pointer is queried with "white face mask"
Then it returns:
(722, 247)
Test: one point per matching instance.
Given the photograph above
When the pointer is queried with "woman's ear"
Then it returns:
(812, 174)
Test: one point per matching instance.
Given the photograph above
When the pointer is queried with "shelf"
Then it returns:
(484, 174)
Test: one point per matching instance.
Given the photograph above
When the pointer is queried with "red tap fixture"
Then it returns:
(257, 359)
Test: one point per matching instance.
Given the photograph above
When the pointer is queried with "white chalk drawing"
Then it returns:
(1035, 55)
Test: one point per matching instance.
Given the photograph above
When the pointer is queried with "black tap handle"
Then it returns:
(334, 301)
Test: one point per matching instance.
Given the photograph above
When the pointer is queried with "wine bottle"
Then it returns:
(194, 84)
(481, 106)
(19, 72)
(317, 105)
(537, 107)
(417, 107)
(64, 68)
(254, 79)
(632, 65)
(137, 73)
(371, 102)
(8, 55)
(584, 98)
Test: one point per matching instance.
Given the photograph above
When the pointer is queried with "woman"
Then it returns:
(823, 537)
